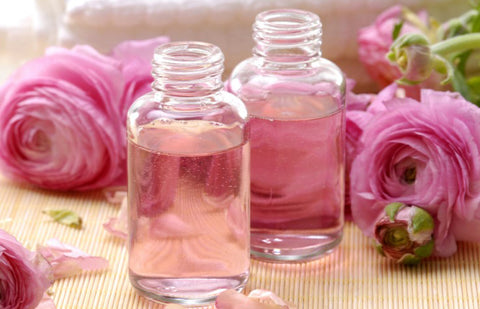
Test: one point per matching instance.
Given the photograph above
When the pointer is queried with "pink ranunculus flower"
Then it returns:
(60, 121)
(374, 42)
(356, 118)
(425, 154)
(136, 58)
(22, 280)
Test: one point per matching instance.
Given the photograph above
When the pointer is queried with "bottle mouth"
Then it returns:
(187, 67)
(187, 59)
(287, 29)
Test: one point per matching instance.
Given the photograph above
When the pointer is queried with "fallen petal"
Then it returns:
(118, 226)
(267, 297)
(67, 260)
(46, 303)
(230, 299)
(115, 195)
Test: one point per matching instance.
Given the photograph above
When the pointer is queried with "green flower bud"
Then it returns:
(405, 233)
(413, 56)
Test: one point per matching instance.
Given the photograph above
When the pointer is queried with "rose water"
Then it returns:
(188, 181)
(297, 183)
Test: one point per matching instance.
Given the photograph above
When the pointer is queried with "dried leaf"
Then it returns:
(65, 217)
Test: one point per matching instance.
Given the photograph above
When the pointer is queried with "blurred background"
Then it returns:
(27, 27)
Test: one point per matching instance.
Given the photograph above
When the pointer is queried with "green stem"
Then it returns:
(457, 44)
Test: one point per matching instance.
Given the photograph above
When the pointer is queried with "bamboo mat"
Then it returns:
(354, 276)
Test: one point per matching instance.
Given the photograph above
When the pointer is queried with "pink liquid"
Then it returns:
(297, 177)
(188, 210)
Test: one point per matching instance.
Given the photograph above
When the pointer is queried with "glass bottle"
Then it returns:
(188, 180)
(296, 104)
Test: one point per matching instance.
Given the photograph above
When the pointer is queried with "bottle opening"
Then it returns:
(187, 67)
(194, 55)
(287, 19)
(284, 32)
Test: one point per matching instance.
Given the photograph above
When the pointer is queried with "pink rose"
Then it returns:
(136, 58)
(60, 121)
(425, 154)
(22, 281)
(374, 42)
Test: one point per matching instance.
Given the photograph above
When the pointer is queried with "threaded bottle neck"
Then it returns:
(287, 35)
(187, 69)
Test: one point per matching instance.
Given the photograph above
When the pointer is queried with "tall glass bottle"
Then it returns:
(296, 103)
(188, 180)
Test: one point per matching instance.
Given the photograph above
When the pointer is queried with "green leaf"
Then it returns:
(392, 209)
(475, 21)
(396, 30)
(422, 221)
(65, 217)
(425, 250)
(409, 259)
(461, 61)
(475, 4)
(378, 247)
(474, 86)
(460, 85)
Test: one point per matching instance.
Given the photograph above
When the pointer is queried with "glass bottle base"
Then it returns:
(186, 291)
(292, 247)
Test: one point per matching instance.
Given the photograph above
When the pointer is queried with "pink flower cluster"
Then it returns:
(62, 116)
(424, 153)
(420, 151)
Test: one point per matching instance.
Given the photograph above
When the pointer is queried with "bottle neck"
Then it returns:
(187, 69)
(287, 36)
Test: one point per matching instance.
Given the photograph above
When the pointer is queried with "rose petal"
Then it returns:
(115, 195)
(268, 297)
(118, 226)
(136, 57)
(230, 299)
(170, 225)
(67, 260)
(46, 303)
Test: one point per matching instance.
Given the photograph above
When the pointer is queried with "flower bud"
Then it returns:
(413, 56)
(404, 234)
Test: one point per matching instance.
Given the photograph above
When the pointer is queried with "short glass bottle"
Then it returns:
(188, 180)
(296, 103)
